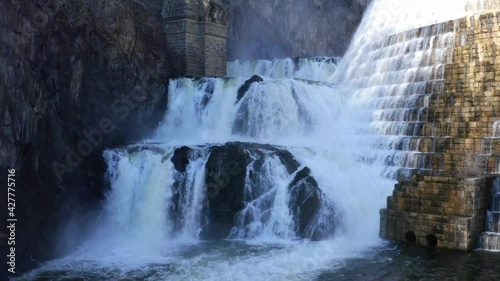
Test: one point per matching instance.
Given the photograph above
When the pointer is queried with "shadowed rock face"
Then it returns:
(305, 205)
(180, 159)
(225, 173)
(269, 29)
(67, 65)
(244, 88)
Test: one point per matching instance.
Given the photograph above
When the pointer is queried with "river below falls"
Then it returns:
(232, 260)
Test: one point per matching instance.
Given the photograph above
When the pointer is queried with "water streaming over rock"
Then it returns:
(316, 69)
(490, 239)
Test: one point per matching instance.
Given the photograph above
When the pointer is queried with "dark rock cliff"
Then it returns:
(292, 28)
(79, 76)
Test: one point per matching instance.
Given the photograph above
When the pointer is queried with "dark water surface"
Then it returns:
(232, 260)
(401, 262)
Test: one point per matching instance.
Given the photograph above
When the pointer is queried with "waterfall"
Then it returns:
(315, 69)
(282, 152)
(409, 71)
(208, 110)
(274, 159)
(394, 67)
(308, 137)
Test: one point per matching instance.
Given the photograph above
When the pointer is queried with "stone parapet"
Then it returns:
(196, 34)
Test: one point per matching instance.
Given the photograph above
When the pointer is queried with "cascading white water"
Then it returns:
(315, 69)
(272, 182)
(347, 135)
(389, 80)
(306, 118)
(273, 111)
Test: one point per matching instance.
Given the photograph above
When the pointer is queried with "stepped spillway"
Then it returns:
(409, 71)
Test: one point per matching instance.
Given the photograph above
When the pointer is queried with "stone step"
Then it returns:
(412, 114)
(489, 241)
(440, 30)
(400, 77)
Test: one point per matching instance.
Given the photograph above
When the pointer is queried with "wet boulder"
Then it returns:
(133, 149)
(241, 125)
(305, 205)
(180, 159)
(244, 88)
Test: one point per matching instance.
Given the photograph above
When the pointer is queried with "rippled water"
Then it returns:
(242, 261)
(401, 262)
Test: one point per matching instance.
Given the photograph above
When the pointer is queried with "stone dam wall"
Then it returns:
(444, 201)
(196, 34)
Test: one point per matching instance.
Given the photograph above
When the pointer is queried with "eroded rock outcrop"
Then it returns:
(268, 29)
(244, 88)
(234, 176)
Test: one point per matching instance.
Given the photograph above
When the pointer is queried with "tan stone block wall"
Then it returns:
(197, 48)
(454, 211)
(458, 140)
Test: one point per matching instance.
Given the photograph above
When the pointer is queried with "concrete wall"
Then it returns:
(447, 203)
